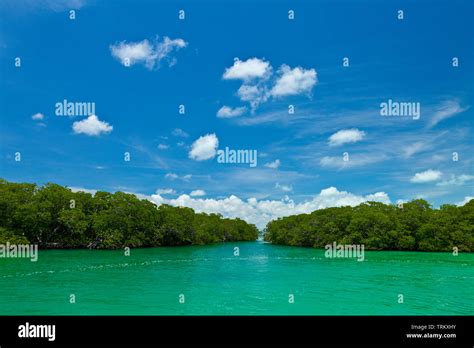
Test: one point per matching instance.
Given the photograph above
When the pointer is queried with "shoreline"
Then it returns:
(247, 242)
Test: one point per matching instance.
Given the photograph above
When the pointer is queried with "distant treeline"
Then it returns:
(54, 216)
(413, 226)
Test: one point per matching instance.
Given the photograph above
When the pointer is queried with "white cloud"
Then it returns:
(167, 191)
(401, 201)
(228, 112)
(345, 136)
(38, 116)
(91, 126)
(333, 162)
(81, 189)
(426, 176)
(204, 148)
(247, 70)
(134, 52)
(284, 188)
(253, 94)
(144, 52)
(177, 132)
(274, 165)
(259, 212)
(173, 176)
(414, 148)
(294, 81)
(61, 5)
(53, 5)
(446, 110)
(165, 47)
(259, 83)
(353, 161)
(197, 193)
(163, 146)
(466, 200)
(456, 180)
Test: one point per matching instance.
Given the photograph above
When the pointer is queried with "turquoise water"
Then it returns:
(215, 282)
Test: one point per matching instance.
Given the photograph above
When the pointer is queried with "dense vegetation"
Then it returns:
(54, 216)
(415, 226)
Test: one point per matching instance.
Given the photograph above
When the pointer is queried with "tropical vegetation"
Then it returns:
(53, 216)
(414, 225)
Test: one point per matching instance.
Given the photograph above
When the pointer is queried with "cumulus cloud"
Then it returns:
(163, 146)
(345, 136)
(134, 52)
(274, 165)
(293, 81)
(177, 132)
(259, 212)
(228, 112)
(147, 53)
(426, 176)
(37, 117)
(91, 126)
(253, 94)
(197, 193)
(247, 70)
(259, 83)
(204, 148)
(446, 110)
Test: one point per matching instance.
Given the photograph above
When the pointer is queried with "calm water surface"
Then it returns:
(214, 281)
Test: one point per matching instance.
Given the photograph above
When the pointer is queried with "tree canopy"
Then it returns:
(54, 216)
(413, 226)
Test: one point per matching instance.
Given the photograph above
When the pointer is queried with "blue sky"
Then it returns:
(282, 62)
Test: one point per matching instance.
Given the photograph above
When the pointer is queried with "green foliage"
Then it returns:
(54, 216)
(378, 226)
(7, 236)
